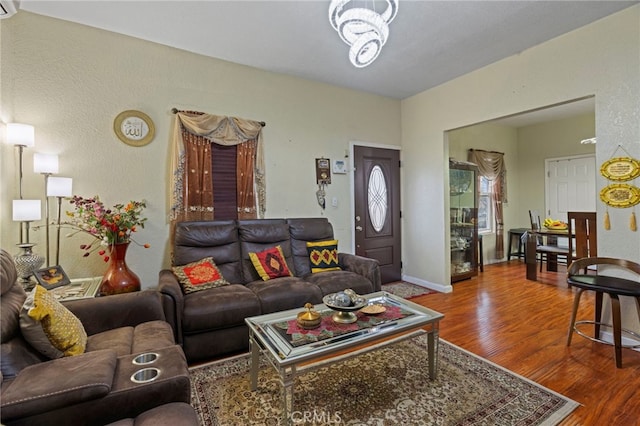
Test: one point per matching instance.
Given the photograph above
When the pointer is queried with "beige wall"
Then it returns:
(70, 82)
(536, 143)
(601, 59)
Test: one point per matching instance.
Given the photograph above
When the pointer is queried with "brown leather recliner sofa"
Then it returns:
(210, 323)
(93, 388)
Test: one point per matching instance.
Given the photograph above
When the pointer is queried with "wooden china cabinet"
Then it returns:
(463, 203)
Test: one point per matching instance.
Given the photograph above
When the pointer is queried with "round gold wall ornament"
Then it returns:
(620, 195)
(134, 128)
(620, 169)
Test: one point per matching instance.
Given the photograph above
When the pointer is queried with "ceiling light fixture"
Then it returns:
(588, 141)
(365, 30)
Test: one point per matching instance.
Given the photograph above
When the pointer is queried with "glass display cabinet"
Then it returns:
(463, 203)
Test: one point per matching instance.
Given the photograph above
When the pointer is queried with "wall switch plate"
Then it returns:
(334, 201)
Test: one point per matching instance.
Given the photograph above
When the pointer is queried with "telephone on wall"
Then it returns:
(323, 178)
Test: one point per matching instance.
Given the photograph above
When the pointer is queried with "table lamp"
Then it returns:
(26, 211)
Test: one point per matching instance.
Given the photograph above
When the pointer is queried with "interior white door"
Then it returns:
(570, 186)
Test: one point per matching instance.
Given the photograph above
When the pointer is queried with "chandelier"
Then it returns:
(365, 30)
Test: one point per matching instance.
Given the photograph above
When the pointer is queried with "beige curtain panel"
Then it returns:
(491, 165)
(191, 194)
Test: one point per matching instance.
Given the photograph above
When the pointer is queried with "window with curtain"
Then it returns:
(217, 168)
(485, 206)
(492, 168)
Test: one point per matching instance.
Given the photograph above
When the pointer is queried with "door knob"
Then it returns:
(359, 228)
(358, 218)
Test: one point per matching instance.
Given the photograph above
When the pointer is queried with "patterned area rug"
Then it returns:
(388, 386)
(405, 290)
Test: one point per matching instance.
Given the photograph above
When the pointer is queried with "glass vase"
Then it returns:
(119, 278)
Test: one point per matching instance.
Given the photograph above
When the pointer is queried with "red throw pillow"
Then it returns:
(270, 263)
(199, 275)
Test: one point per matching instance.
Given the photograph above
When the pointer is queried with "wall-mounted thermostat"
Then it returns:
(340, 167)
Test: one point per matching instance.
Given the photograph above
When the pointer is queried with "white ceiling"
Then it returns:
(430, 42)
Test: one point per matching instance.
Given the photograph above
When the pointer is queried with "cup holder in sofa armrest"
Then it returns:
(145, 358)
(145, 375)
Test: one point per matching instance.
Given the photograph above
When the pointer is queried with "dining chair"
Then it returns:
(547, 246)
(583, 235)
(613, 286)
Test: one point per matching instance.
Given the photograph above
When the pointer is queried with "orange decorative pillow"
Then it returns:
(199, 275)
(270, 263)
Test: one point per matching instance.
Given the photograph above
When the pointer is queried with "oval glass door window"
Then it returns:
(377, 198)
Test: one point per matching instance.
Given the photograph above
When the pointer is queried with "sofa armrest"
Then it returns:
(368, 268)
(172, 301)
(59, 383)
(100, 314)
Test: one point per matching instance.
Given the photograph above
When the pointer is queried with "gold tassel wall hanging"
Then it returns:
(617, 194)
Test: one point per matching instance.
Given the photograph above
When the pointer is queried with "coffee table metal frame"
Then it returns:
(290, 361)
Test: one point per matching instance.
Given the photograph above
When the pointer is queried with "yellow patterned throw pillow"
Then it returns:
(50, 327)
(199, 275)
(323, 255)
(270, 263)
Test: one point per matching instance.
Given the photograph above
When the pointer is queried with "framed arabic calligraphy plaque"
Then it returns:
(134, 128)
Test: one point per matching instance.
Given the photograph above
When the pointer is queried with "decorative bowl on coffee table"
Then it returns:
(344, 314)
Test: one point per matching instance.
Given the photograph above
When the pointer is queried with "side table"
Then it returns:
(78, 288)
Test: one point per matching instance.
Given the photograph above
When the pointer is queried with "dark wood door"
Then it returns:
(377, 208)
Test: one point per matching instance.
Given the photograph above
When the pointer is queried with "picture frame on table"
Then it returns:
(51, 277)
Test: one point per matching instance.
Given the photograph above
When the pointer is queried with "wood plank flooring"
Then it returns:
(522, 325)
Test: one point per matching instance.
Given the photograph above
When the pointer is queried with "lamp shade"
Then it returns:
(21, 134)
(26, 210)
(59, 186)
(45, 163)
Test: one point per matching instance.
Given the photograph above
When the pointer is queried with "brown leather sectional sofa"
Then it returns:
(210, 323)
(93, 388)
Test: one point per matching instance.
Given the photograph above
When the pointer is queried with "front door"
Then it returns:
(377, 208)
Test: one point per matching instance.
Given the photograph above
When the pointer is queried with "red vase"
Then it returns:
(119, 278)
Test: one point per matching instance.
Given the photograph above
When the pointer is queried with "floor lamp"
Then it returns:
(46, 164)
(59, 187)
(21, 136)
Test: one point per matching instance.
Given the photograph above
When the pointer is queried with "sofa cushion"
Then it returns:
(171, 414)
(217, 308)
(260, 234)
(199, 275)
(16, 355)
(217, 239)
(50, 327)
(59, 383)
(285, 293)
(323, 255)
(303, 230)
(117, 339)
(270, 263)
(148, 336)
(334, 281)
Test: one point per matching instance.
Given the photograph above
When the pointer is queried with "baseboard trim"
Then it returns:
(442, 288)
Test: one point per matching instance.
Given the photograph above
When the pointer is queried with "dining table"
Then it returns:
(530, 238)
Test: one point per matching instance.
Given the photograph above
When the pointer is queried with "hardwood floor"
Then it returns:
(522, 326)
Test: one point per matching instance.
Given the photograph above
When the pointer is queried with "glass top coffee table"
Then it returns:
(292, 350)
